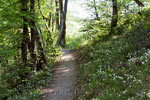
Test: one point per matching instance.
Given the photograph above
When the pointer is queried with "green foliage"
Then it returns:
(77, 42)
(28, 88)
(19, 81)
(91, 30)
(117, 68)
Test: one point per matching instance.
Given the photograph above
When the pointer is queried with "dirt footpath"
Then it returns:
(64, 79)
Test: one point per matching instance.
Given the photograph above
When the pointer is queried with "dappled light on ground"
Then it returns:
(64, 80)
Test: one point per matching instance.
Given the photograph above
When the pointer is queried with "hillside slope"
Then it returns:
(117, 68)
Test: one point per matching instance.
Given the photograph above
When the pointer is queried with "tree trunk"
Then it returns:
(42, 59)
(25, 31)
(61, 11)
(114, 16)
(96, 12)
(53, 22)
(49, 19)
(33, 33)
(61, 39)
(35, 36)
(57, 14)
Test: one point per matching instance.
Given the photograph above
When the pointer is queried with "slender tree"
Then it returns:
(96, 12)
(25, 30)
(50, 14)
(33, 32)
(57, 14)
(35, 37)
(114, 20)
(61, 39)
(61, 10)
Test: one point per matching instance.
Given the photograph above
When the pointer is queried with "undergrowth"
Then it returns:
(77, 42)
(117, 68)
(28, 89)
(24, 83)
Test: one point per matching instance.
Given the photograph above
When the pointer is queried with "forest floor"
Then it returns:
(64, 79)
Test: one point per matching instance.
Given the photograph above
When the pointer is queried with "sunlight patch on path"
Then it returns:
(64, 80)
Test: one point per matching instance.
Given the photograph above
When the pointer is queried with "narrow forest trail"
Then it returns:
(64, 79)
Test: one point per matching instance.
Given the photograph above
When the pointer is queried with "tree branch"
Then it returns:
(139, 3)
